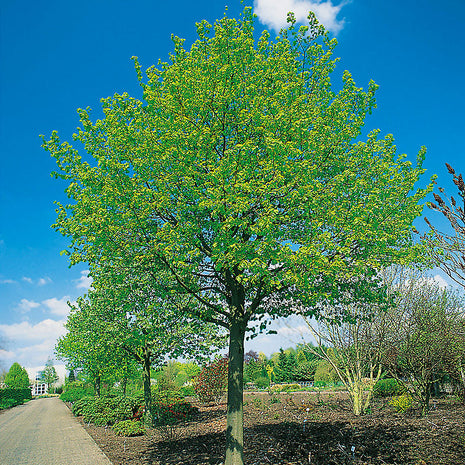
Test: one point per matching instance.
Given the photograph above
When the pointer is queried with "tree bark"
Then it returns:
(97, 385)
(147, 391)
(235, 417)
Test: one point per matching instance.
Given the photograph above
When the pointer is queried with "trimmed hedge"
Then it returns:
(12, 397)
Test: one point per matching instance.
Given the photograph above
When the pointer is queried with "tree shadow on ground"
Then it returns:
(290, 443)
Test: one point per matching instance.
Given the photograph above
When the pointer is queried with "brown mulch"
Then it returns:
(301, 429)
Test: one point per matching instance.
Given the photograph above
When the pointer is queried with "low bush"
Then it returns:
(387, 388)
(262, 382)
(402, 403)
(78, 406)
(107, 410)
(285, 387)
(172, 413)
(129, 428)
(187, 391)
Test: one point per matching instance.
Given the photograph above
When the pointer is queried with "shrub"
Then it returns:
(211, 383)
(107, 410)
(11, 397)
(285, 387)
(402, 404)
(187, 391)
(166, 396)
(79, 405)
(129, 428)
(388, 387)
(164, 413)
(75, 391)
(262, 382)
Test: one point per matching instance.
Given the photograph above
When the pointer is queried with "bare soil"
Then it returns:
(301, 429)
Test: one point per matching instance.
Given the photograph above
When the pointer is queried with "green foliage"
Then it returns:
(74, 391)
(211, 383)
(305, 371)
(79, 405)
(10, 397)
(17, 377)
(285, 387)
(129, 428)
(388, 387)
(49, 375)
(239, 149)
(285, 367)
(325, 373)
(187, 391)
(103, 411)
(262, 382)
(402, 403)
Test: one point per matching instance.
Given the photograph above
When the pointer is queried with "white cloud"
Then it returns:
(33, 343)
(273, 13)
(440, 281)
(293, 331)
(7, 281)
(85, 281)
(27, 305)
(26, 333)
(28, 280)
(44, 281)
(57, 306)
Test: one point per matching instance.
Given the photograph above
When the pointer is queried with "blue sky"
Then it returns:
(58, 56)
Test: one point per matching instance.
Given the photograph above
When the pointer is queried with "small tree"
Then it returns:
(49, 375)
(426, 338)
(17, 377)
(356, 349)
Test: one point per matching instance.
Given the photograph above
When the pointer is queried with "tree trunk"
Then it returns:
(147, 391)
(97, 385)
(234, 419)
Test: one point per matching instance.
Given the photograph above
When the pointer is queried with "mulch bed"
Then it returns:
(301, 429)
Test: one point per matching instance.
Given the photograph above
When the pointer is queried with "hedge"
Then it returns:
(12, 397)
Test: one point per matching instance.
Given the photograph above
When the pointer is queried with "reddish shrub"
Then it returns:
(211, 383)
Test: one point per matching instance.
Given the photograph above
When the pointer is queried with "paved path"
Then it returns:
(44, 432)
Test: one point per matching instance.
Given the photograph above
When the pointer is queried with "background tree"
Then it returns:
(17, 377)
(147, 322)
(71, 377)
(240, 173)
(448, 250)
(426, 339)
(354, 348)
(49, 375)
(88, 347)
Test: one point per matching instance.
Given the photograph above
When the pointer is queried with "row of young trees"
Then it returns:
(236, 191)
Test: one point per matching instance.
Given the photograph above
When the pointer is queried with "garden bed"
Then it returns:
(288, 429)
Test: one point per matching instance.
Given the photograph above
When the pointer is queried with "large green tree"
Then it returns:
(17, 377)
(241, 174)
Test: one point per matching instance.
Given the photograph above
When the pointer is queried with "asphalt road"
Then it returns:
(44, 432)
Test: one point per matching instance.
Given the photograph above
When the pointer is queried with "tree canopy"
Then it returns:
(17, 377)
(240, 173)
